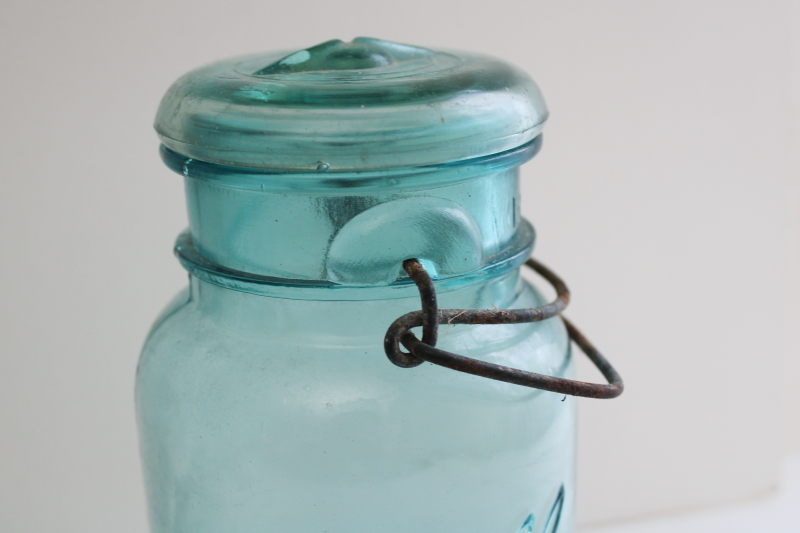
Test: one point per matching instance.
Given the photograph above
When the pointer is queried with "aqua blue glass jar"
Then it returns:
(265, 401)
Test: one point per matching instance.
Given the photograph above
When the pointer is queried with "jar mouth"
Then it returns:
(512, 257)
(395, 179)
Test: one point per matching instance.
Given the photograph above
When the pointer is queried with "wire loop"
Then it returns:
(431, 316)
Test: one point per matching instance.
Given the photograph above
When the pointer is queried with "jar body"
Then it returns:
(275, 413)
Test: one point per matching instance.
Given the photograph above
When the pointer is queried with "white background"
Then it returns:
(666, 194)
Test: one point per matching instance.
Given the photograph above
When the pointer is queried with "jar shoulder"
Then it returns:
(304, 341)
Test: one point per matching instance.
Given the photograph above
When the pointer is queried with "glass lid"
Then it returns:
(342, 107)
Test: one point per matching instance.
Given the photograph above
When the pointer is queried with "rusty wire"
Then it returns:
(431, 316)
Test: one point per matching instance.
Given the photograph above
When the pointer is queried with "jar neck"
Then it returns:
(353, 234)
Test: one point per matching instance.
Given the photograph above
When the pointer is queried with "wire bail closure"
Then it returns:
(431, 316)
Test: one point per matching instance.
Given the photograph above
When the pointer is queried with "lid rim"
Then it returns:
(260, 179)
(377, 161)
